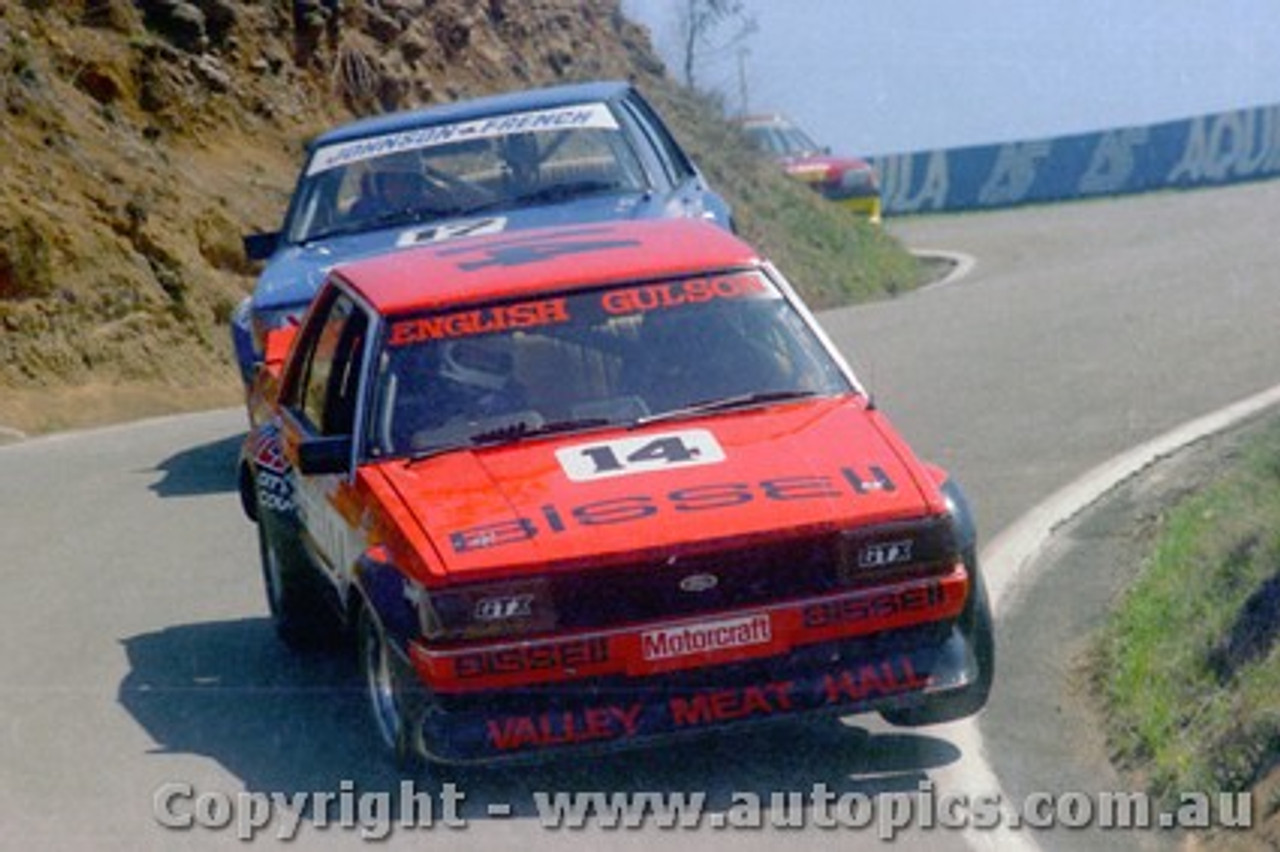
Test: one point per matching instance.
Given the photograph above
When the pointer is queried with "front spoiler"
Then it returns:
(862, 205)
(894, 670)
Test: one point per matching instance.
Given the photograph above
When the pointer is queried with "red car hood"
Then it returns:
(499, 511)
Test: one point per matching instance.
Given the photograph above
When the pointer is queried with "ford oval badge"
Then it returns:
(699, 583)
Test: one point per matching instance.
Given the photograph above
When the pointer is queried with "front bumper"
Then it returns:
(901, 670)
(896, 666)
(866, 205)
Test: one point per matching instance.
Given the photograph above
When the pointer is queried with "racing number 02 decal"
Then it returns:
(452, 231)
(626, 456)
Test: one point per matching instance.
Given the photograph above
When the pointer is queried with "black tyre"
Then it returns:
(248, 493)
(386, 685)
(976, 624)
(299, 602)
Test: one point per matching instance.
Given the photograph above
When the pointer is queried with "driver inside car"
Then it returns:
(701, 352)
(393, 185)
(458, 384)
(478, 379)
(522, 162)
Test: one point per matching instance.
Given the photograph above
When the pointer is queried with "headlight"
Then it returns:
(501, 609)
(858, 182)
(429, 624)
(914, 548)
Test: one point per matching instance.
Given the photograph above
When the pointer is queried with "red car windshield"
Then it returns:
(782, 140)
(620, 355)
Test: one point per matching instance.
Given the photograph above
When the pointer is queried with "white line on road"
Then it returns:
(962, 265)
(1005, 559)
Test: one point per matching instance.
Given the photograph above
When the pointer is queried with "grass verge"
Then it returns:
(1188, 668)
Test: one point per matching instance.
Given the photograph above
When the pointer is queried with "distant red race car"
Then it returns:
(849, 181)
(599, 485)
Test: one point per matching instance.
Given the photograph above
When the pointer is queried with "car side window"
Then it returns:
(673, 160)
(325, 390)
(315, 205)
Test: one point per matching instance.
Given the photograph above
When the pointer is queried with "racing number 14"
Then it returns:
(637, 455)
(661, 451)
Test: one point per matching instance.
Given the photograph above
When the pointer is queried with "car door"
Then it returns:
(321, 412)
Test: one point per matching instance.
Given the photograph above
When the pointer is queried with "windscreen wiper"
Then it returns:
(566, 191)
(521, 430)
(433, 450)
(727, 403)
(340, 231)
(390, 219)
(517, 431)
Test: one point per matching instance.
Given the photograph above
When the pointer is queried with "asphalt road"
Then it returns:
(137, 653)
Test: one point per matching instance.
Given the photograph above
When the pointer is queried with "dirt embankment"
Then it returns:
(141, 139)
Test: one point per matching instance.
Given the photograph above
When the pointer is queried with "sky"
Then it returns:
(876, 77)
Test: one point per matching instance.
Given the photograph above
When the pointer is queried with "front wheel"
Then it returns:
(303, 617)
(384, 678)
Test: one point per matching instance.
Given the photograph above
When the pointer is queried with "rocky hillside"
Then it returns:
(142, 137)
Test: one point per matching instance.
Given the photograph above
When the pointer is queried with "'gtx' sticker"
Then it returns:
(587, 462)
(885, 553)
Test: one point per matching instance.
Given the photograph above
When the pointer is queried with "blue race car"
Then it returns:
(570, 154)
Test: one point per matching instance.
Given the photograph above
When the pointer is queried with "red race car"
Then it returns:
(845, 180)
(599, 485)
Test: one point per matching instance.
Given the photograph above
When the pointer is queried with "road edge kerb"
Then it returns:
(963, 264)
(1008, 555)
(9, 435)
(1006, 561)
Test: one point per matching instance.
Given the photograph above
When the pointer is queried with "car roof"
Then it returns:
(476, 108)
(538, 260)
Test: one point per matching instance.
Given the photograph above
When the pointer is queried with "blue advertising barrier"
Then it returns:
(1205, 151)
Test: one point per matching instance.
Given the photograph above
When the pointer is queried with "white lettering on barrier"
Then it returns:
(1014, 173)
(897, 178)
(1239, 144)
(1111, 167)
(1227, 146)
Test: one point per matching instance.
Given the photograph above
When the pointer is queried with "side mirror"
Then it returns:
(261, 246)
(325, 455)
